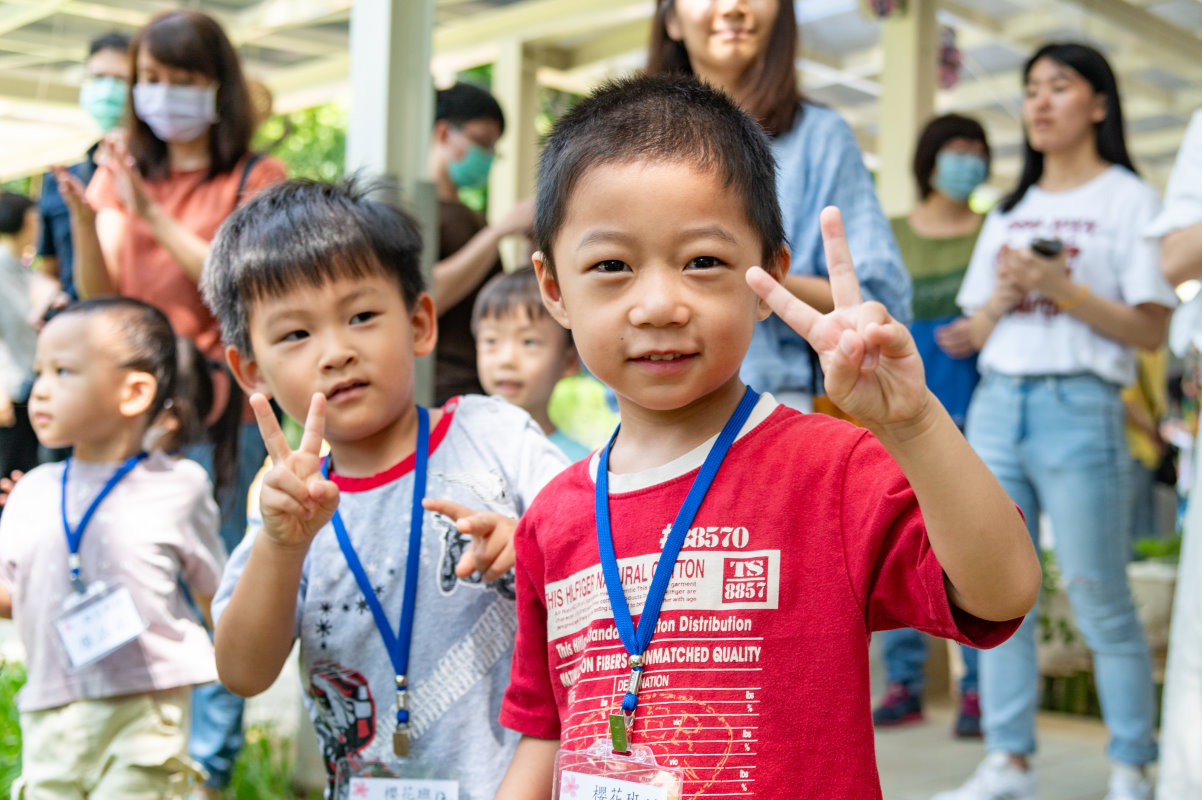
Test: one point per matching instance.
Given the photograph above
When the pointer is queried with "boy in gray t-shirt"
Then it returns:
(321, 303)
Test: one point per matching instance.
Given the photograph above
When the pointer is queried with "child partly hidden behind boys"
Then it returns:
(405, 653)
(93, 551)
(521, 352)
(656, 197)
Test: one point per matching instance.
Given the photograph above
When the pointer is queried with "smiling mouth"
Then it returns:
(344, 389)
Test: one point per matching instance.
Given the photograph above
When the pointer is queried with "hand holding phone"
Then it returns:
(1048, 248)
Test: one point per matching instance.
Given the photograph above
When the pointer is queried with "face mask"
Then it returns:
(958, 174)
(176, 113)
(104, 99)
(472, 169)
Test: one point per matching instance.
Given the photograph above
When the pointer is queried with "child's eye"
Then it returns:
(363, 316)
(532, 342)
(294, 336)
(611, 265)
(704, 262)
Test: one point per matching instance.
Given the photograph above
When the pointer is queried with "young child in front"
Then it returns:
(94, 725)
(321, 303)
(656, 201)
(521, 352)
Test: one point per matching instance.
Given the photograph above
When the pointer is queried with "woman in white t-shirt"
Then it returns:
(1057, 332)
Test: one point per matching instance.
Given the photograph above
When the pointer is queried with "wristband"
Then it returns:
(1074, 301)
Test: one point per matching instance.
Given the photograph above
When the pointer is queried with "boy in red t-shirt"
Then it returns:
(656, 197)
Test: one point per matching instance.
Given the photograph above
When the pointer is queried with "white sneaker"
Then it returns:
(996, 779)
(1128, 783)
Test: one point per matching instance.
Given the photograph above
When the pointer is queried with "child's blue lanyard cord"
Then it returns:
(637, 641)
(397, 643)
(74, 537)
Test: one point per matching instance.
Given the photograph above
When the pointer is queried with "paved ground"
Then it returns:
(921, 759)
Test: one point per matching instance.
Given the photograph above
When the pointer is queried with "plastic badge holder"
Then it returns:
(98, 622)
(399, 779)
(599, 772)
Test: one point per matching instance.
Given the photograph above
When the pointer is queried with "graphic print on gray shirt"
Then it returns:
(487, 455)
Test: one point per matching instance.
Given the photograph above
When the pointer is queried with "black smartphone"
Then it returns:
(1049, 248)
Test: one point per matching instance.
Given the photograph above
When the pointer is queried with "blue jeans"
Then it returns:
(216, 734)
(905, 652)
(1056, 444)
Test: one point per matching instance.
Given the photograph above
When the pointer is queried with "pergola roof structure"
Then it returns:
(299, 49)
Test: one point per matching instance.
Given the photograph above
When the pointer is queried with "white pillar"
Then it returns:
(515, 85)
(910, 40)
(392, 115)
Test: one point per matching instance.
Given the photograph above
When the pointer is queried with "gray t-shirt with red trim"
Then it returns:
(485, 454)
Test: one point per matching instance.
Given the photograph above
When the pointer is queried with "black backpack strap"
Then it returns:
(250, 164)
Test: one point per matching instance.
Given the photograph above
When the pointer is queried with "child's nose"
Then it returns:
(338, 353)
(659, 301)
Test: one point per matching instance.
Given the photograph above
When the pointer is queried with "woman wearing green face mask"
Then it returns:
(468, 122)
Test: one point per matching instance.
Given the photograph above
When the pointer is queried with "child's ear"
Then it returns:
(548, 287)
(246, 372)
(137, 393)
(778, 268)
(424, 319)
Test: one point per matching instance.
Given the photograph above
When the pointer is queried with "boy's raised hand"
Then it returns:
(491, 553)
(296, 501)
(871, 365)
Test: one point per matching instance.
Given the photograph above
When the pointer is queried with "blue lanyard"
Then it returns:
(637, 641)
(397, 644)
(74, 537)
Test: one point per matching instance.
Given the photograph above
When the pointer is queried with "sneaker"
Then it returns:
(995, 779)
(968, 721)
(1128, 783)
(899, 707)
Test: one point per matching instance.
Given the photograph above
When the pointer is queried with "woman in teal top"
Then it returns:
(936, 241)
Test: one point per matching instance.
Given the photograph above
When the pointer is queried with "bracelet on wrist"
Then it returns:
(1077, 299)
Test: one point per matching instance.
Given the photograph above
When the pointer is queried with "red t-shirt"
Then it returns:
(756, 683)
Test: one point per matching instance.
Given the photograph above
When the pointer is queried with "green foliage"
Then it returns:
(264, 769)
(310, 142)
(19, 185)
(1159, 548)
(12, 678)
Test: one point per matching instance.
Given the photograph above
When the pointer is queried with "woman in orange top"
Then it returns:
(143, 225)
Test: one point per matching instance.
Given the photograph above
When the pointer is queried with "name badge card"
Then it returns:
(97, 622)
(599, 772)
(400, 779)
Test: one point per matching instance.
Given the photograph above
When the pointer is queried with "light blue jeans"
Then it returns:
(1056, 444)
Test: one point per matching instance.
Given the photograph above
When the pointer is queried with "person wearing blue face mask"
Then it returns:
(468, 123)
(936, 241)
(102, 95)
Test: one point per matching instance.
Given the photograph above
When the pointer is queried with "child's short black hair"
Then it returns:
(306, 233)
(660, 118)
(13, 208)
(464, 102)
(147, 339)
(507, 292)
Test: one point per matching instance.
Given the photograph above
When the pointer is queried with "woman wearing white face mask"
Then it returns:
(143, 226)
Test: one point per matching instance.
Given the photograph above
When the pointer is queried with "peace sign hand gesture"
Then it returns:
(871, 365)
(296, 501)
